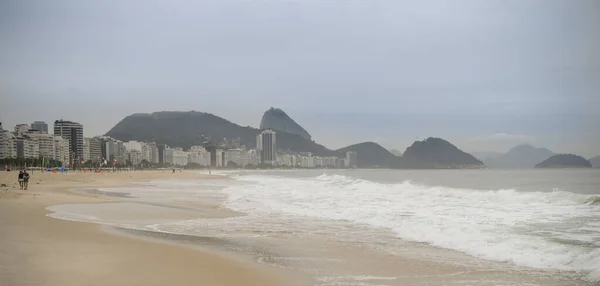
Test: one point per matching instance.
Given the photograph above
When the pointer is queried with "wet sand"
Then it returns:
(39, 250)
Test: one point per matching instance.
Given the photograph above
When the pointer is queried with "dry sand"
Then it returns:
(39, 250)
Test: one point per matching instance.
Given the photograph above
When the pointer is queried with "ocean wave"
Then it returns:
(499, 225)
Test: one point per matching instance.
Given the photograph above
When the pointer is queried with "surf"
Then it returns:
(523, 228)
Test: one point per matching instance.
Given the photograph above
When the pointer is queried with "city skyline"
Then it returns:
(513, 140)
(484, 75)
(29, 145)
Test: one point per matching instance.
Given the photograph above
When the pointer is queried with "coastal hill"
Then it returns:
(370, 155)
(183, 129)
(436, 153)
(521, 156)
(278, 120)
(595, 162)
(565, 161)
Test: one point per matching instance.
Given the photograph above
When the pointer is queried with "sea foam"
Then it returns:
(546, 230)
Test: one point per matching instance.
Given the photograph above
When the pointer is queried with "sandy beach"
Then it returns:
(39, 250)
(216, 246)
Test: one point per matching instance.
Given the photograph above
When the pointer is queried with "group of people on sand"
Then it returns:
(23, 179)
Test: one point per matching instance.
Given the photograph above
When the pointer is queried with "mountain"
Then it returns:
(521, 156)
(183, 129)
(436, 153)
(370, 155)
(486, 156)
(565, 161)
(278, 120)
(396, 152)
(595, 161)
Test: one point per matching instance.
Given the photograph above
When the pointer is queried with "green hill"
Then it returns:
(565, 161)
(370, 155)
(183, 129)
(436, 153)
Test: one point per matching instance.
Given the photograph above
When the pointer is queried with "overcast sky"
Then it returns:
(486, 75)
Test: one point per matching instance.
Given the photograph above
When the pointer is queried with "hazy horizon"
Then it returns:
(484, 75)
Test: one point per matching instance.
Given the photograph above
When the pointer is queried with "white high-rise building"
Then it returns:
(21, 129)
(150, 152)
(44, 141)
(27, 147)
(133, 145)
(95, 145)
(61, 149)
(168, 154)
(8, 145)
(351, 159)
(240, 157)
(135, 157)
(220, 156)
(86, 149)
(180, 157)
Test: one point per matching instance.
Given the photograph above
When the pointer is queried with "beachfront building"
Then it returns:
(44, 142)
(219, 158)
(351, 159)
(95, 149)
(266, 143)
(199, 155)
(21, 129)
(8, 147)
(133, 145)
(40, 126)
(135, 157)
(61, 149)
(27, 147)
(241, 157)
(86, 149)
(113, 150)
(73, 132)
(149, 152)
(175, 157)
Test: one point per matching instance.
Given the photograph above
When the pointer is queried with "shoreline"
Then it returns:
(40, 250)
(285, 261)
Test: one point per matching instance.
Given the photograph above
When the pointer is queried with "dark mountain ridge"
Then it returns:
(278, 120)
(436, 153)
(521, 156)
(370, 155)
(565, 161)
(183, 129)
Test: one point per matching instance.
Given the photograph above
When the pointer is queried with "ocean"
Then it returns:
(513, 220)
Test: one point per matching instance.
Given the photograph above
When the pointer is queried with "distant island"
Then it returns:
(565, 161)
(521, 156)
(436, 153)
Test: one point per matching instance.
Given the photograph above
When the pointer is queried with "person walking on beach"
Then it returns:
(21, 180)
(25, 179)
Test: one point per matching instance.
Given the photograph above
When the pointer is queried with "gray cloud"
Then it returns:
(347, 70)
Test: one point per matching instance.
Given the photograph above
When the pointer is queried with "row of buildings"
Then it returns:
(69, 146)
